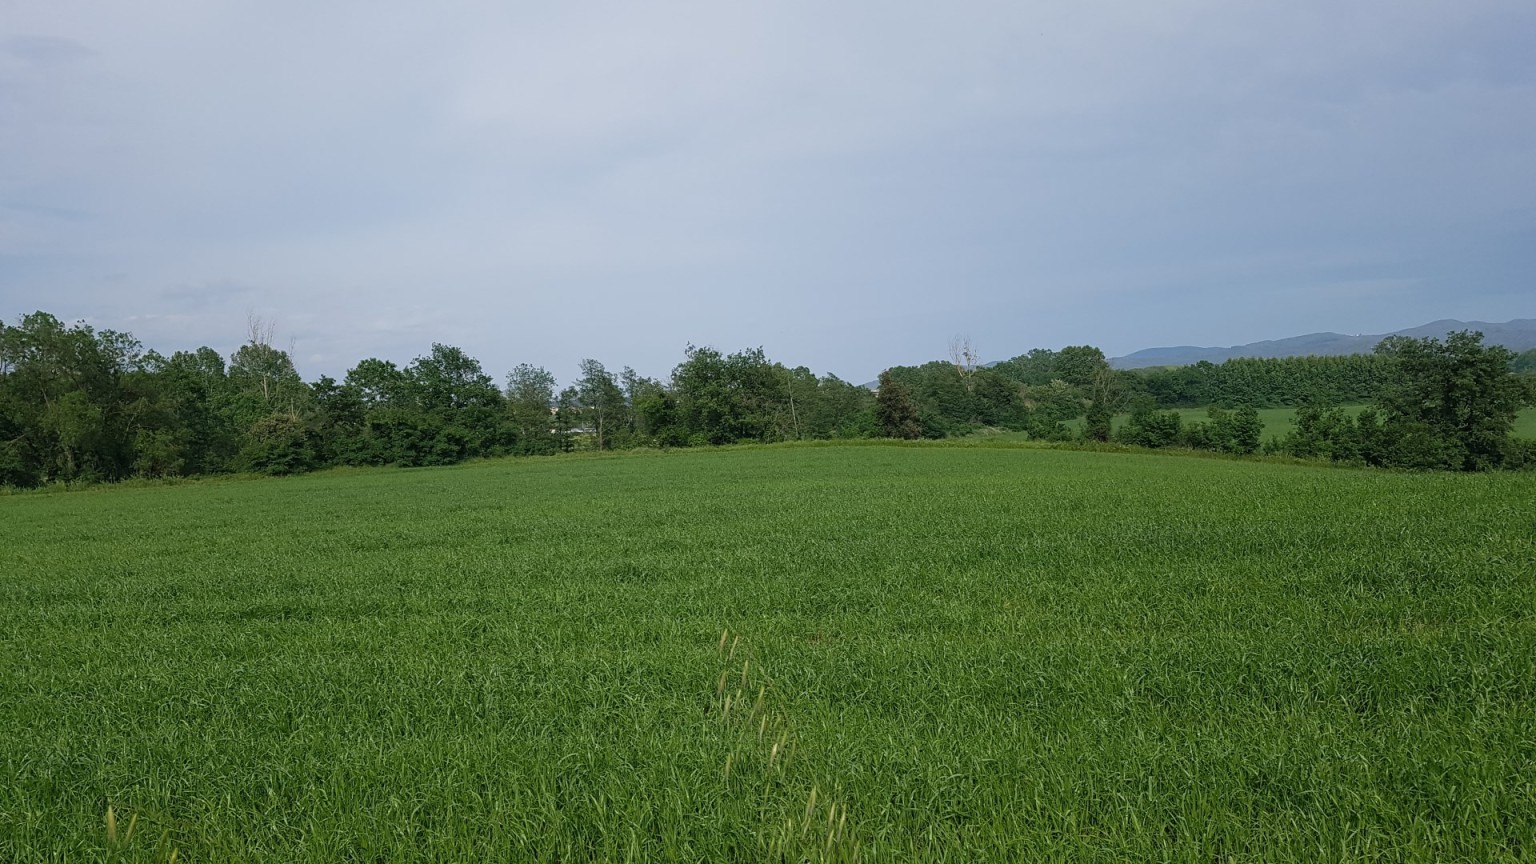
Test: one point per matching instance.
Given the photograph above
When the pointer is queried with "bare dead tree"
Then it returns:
(964, 357)
(258, 330)
(263, 360)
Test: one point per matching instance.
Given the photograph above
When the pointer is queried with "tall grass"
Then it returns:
(946, 654)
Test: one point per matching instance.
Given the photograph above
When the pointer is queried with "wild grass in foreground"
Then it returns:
(820, 653)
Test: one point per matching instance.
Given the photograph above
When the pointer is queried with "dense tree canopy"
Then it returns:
(1458, 396)
(1448, 405)
(78, 404)
(1525, 363)
(1264, 382)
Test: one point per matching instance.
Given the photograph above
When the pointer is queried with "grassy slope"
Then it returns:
(972, 654)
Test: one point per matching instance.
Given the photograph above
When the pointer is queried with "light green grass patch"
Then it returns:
(1278, 422)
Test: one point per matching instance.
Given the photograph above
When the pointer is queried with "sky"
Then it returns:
(847, 185)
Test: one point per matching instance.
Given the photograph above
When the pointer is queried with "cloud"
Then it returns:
(846, 186)
(44, 50)
(219, 292)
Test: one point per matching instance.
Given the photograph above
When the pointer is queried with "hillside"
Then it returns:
(1517, 335)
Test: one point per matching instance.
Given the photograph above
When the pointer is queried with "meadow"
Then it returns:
(876, 653)
(1278, 422)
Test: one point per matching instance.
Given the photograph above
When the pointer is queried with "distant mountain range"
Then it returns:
(1516, 335)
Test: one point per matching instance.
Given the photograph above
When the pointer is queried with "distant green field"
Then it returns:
(1525, 424)
(1279, 421)
(903, 653)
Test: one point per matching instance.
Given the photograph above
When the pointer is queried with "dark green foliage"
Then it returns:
(190, 396)
(379, 384)
(830, 407)
(894, 409)
(1057, 387)
(278, 444)
(1264, 382)
(1446, 405)
(1149, 427)
(598, 406)
(66, 407)
(945, 406)
(339, 424)
(949, 403)
(723, 399)
(1080, 365)
(1524, 363)
(1106, 391)
(530, 401)
(1097, 422)
(1325, 433)
(78, 405)
(998, 401)
(264, 381)
(1455, 401)
(653, 412)
(460, 403)
(1521, 455)
(716, 398)
(1236, 432)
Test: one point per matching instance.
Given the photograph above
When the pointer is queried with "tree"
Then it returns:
(722, 399)
(1097, 424)
(600, 402)
(193, 398)
(1104, 393)
(1450, 404)
(65, 411)
(1080, 365)
(278, 444)
(839, 409)
(1235, 432)
(448, 380)
(1050, 406)
(459, 406)
(652, 410)
(530, 399)
(1034, 368)
(998, 401)
(265, 375)
(894, 409)
(339, 424)
(1241, 432)
(939, 394)
(1524, 363)
(378, 384)
(963, 356)
(1148, 427)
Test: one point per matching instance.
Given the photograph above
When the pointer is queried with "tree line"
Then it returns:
(1267, 382)
(1433, 404)
(80, 404)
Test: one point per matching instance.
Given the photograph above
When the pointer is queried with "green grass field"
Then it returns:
(1279, 421)
(894, 653)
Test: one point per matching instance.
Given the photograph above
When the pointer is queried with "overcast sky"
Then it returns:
(846, 185)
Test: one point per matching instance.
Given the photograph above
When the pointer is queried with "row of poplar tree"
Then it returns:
(80, 404)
